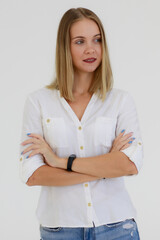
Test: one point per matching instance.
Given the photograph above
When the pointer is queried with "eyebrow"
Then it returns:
(84, 37)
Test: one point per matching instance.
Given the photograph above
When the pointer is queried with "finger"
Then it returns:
(32, 147)
(128, 135)
(125, 146)
(35, 135)
(121, 134)
(120, 139)
(120, 143)
(32, 140)
(127, 143)
(129, 140)
(33, 153)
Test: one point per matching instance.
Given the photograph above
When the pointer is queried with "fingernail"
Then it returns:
(122, 130)
(27, 157)
(28, 133)
(133, 138)
(130, 142)
(21, 152)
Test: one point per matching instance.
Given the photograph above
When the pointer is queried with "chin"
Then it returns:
(86, 69)
(89, 69)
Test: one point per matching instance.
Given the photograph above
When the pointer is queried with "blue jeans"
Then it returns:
(125, 230)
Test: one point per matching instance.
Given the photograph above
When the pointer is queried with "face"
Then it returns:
(86, 49)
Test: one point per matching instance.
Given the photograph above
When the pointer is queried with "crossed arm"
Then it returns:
(112, 164)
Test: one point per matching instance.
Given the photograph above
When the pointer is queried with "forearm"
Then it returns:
(110, 165)
(50, 176)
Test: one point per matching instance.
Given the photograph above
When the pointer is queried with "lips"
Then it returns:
(90, 60)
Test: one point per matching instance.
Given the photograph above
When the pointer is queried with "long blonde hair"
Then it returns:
(103, 79)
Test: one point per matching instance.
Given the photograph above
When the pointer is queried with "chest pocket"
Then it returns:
(104, 131)
(55, 132)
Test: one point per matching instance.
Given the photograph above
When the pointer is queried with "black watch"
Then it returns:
(70, 162)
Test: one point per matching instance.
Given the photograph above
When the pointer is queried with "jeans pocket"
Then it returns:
(117, 224)
(48, 229)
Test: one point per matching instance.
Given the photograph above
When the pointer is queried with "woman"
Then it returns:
(80, 137)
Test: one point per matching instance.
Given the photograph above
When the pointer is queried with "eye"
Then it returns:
(98, 40)
(79, 42)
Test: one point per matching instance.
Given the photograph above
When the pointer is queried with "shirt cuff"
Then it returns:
(135, 154)
(29, 165)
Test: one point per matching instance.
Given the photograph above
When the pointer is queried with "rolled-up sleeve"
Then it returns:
(128, 120)
(31, 124)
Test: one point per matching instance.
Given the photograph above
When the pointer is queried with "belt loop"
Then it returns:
(93, 224)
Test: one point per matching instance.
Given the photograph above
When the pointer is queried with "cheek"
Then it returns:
(76, 54)
(99, 51)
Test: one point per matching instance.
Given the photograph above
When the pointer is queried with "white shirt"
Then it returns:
(102, 201)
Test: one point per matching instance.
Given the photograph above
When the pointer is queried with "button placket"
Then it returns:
(86, 184)
(88, 202)
(92, 217)
(81, 140)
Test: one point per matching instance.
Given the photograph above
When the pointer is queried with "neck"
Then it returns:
(82, 82)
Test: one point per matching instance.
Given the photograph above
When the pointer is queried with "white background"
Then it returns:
(28, 31)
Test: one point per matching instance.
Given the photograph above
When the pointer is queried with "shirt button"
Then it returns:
(86, 185)
(21, 159)
(140, 143)
(81, 147)
(48, 120)
(89, 204)
(80, 128)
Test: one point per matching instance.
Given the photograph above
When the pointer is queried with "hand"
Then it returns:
(122, 141)
(40, 146)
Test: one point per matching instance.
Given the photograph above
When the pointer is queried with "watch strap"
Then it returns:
(70, 162)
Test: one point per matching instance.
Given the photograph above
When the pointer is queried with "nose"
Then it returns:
(89, 50)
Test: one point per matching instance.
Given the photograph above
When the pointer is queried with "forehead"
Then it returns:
(84, 27)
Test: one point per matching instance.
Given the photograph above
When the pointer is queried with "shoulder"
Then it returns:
(42, 94)
(118, 94)
(120, 97)
(123, 98)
